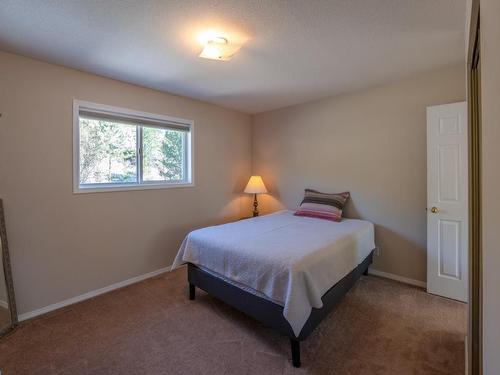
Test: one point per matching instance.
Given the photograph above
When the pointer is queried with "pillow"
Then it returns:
(322, 206)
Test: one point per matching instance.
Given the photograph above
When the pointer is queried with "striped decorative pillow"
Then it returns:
(322, 206)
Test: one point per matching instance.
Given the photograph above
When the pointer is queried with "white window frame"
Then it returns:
(79, 105)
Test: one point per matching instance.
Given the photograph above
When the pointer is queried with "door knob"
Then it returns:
(434, 210)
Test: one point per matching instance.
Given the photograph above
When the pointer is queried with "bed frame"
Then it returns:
(270, 313)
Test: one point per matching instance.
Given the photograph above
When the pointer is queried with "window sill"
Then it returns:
(115, 188)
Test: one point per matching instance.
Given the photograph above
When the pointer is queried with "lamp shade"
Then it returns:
(255, 186)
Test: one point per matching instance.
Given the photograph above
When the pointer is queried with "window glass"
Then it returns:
(108, 152)
(163, 154)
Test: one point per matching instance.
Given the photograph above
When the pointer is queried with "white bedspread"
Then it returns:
(292, 260)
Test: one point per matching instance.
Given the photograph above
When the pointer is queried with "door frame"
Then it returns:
(474, 344)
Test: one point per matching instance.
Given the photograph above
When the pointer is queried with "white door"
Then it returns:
(447, 201)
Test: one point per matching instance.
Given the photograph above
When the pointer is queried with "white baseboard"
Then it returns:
(136, 279)
(401, 279)
(82, 297)
(4, 304)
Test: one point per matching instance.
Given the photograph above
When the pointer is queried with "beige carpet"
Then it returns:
(381, 327)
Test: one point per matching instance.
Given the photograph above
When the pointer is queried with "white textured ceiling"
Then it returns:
(294, 51)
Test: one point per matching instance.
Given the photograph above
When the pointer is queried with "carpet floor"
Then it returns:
(381, 327)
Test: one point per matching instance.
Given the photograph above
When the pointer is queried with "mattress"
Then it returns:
(287, 259)
(244, 287)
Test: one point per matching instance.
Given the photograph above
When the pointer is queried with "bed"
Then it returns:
(283, 270)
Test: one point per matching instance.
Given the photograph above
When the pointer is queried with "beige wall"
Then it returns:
(63, 244)
(371, 143)
(490, 96)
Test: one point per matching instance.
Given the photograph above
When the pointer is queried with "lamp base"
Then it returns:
(255, 204)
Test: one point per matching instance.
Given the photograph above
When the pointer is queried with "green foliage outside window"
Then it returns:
(108, 153)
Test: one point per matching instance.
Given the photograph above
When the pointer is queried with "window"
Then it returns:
(119, 149)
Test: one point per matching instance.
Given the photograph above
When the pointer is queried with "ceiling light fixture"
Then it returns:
(218, 48)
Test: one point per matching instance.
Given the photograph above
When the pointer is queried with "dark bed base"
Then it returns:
(267, 312)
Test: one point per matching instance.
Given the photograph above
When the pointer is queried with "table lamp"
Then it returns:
(255, 186)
